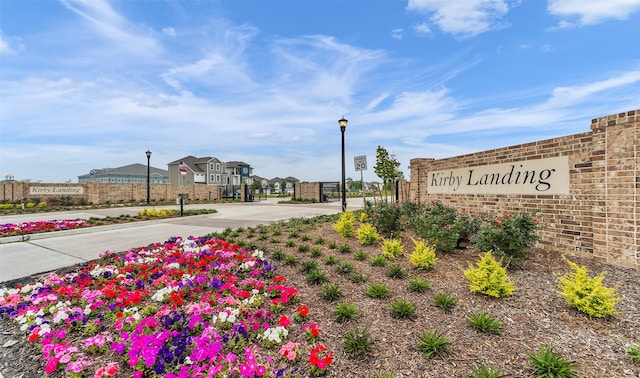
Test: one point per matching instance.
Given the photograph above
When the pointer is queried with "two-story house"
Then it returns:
(191, 170)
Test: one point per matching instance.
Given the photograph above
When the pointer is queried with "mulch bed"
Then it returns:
(534, 316)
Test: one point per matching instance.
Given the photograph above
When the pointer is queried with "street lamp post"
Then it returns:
(343, 126)
(148, 176)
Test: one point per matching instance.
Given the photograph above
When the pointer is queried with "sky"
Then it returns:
(90, 84)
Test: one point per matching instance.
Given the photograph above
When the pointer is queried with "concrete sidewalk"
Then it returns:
(44, 252)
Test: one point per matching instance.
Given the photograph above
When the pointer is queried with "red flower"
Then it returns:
(284, 321)
(303, 310)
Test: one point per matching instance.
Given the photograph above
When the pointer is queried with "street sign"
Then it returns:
(360, 162)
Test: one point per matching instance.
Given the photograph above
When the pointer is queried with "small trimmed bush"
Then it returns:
(392, 248)
(489, 277)
(588, 294)
(423, 256)
(345, 226)
(367, 234)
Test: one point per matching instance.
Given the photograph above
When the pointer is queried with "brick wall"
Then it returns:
(598, 218)
(99, 193)
(307, 191)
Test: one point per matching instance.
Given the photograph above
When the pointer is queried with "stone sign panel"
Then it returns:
(541, 176)
(56, 190)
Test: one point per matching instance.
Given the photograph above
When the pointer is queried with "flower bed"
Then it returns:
(12, 229)
(183, 308)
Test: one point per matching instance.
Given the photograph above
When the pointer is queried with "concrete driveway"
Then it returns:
(40, 253)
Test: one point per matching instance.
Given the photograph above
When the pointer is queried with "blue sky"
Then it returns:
(92, 83)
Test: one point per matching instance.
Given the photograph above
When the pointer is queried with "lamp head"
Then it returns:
(148, 154)
(343, 123)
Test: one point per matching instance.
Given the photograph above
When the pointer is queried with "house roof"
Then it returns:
(130, 170)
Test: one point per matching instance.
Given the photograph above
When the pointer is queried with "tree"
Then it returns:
(387, 167)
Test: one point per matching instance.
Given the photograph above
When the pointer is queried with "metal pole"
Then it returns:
(148, 176)
(344, 189)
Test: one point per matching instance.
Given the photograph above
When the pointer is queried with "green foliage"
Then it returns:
(588, 294)
(367, 234)
(302, 248)
(162, 213)
(387, 166)
(392, 248)
(423, 257)
(484, 371)
(345, 311)
(308, 266)
(444, 301)
(290, 260)
(418, 285)
(357, 277)
(319, 241)
(278, 255)
(360, 256)
(316, 252)
(316, 277)
(333, 245)
(508, 235)
(634, 352)
(378, 260)
(344, 248)
(437, 224)
(290, 243)
(345, 226)
(396, 271)
(548, 364)
(431, 343)
(484, 322)
(331, 292)
(402, 309)
(344, 268)
(378, 291)
(386, 218)
(331, 260)
(358, 342)
(489, 277)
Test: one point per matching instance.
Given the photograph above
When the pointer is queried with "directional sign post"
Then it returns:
(360, 163)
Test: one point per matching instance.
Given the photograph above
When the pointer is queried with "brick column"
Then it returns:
(615, 157)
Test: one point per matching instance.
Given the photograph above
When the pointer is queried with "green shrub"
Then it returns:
(331, 292)
(402, 309)
(344, 268)
(423, 257)
(444, 301)
(548, 364)
(316, 252)
(378, 291)
(588, 294)
(392, 248)
(357, 342)
(437, 224)
(509, 235)
(634, 352)
(345, 226)
(418, 285)
(308, 266)
(484, 371)
(316, 277)
(431, 343)
(357, 277)
(484, 322)
(367, 234)
(378, 260)
(489, 277)
(360, 256)
(344, 248)
(302, 248)
(331, 260)
(396, 271)
(345, 311)
(386, 217)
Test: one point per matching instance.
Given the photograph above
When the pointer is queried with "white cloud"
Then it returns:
(590, 12)
(463, 19)
(396, 33)
(169, 31)
(422, 28)
(112, 26)
(4, 46)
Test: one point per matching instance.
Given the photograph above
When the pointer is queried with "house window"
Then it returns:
(218, 167)
(211, 166)
(212, 177)
(218, 178)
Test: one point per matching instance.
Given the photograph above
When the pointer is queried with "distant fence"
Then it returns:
(585, 187)
(101, 193)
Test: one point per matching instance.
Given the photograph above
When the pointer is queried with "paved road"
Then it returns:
(53, 250)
